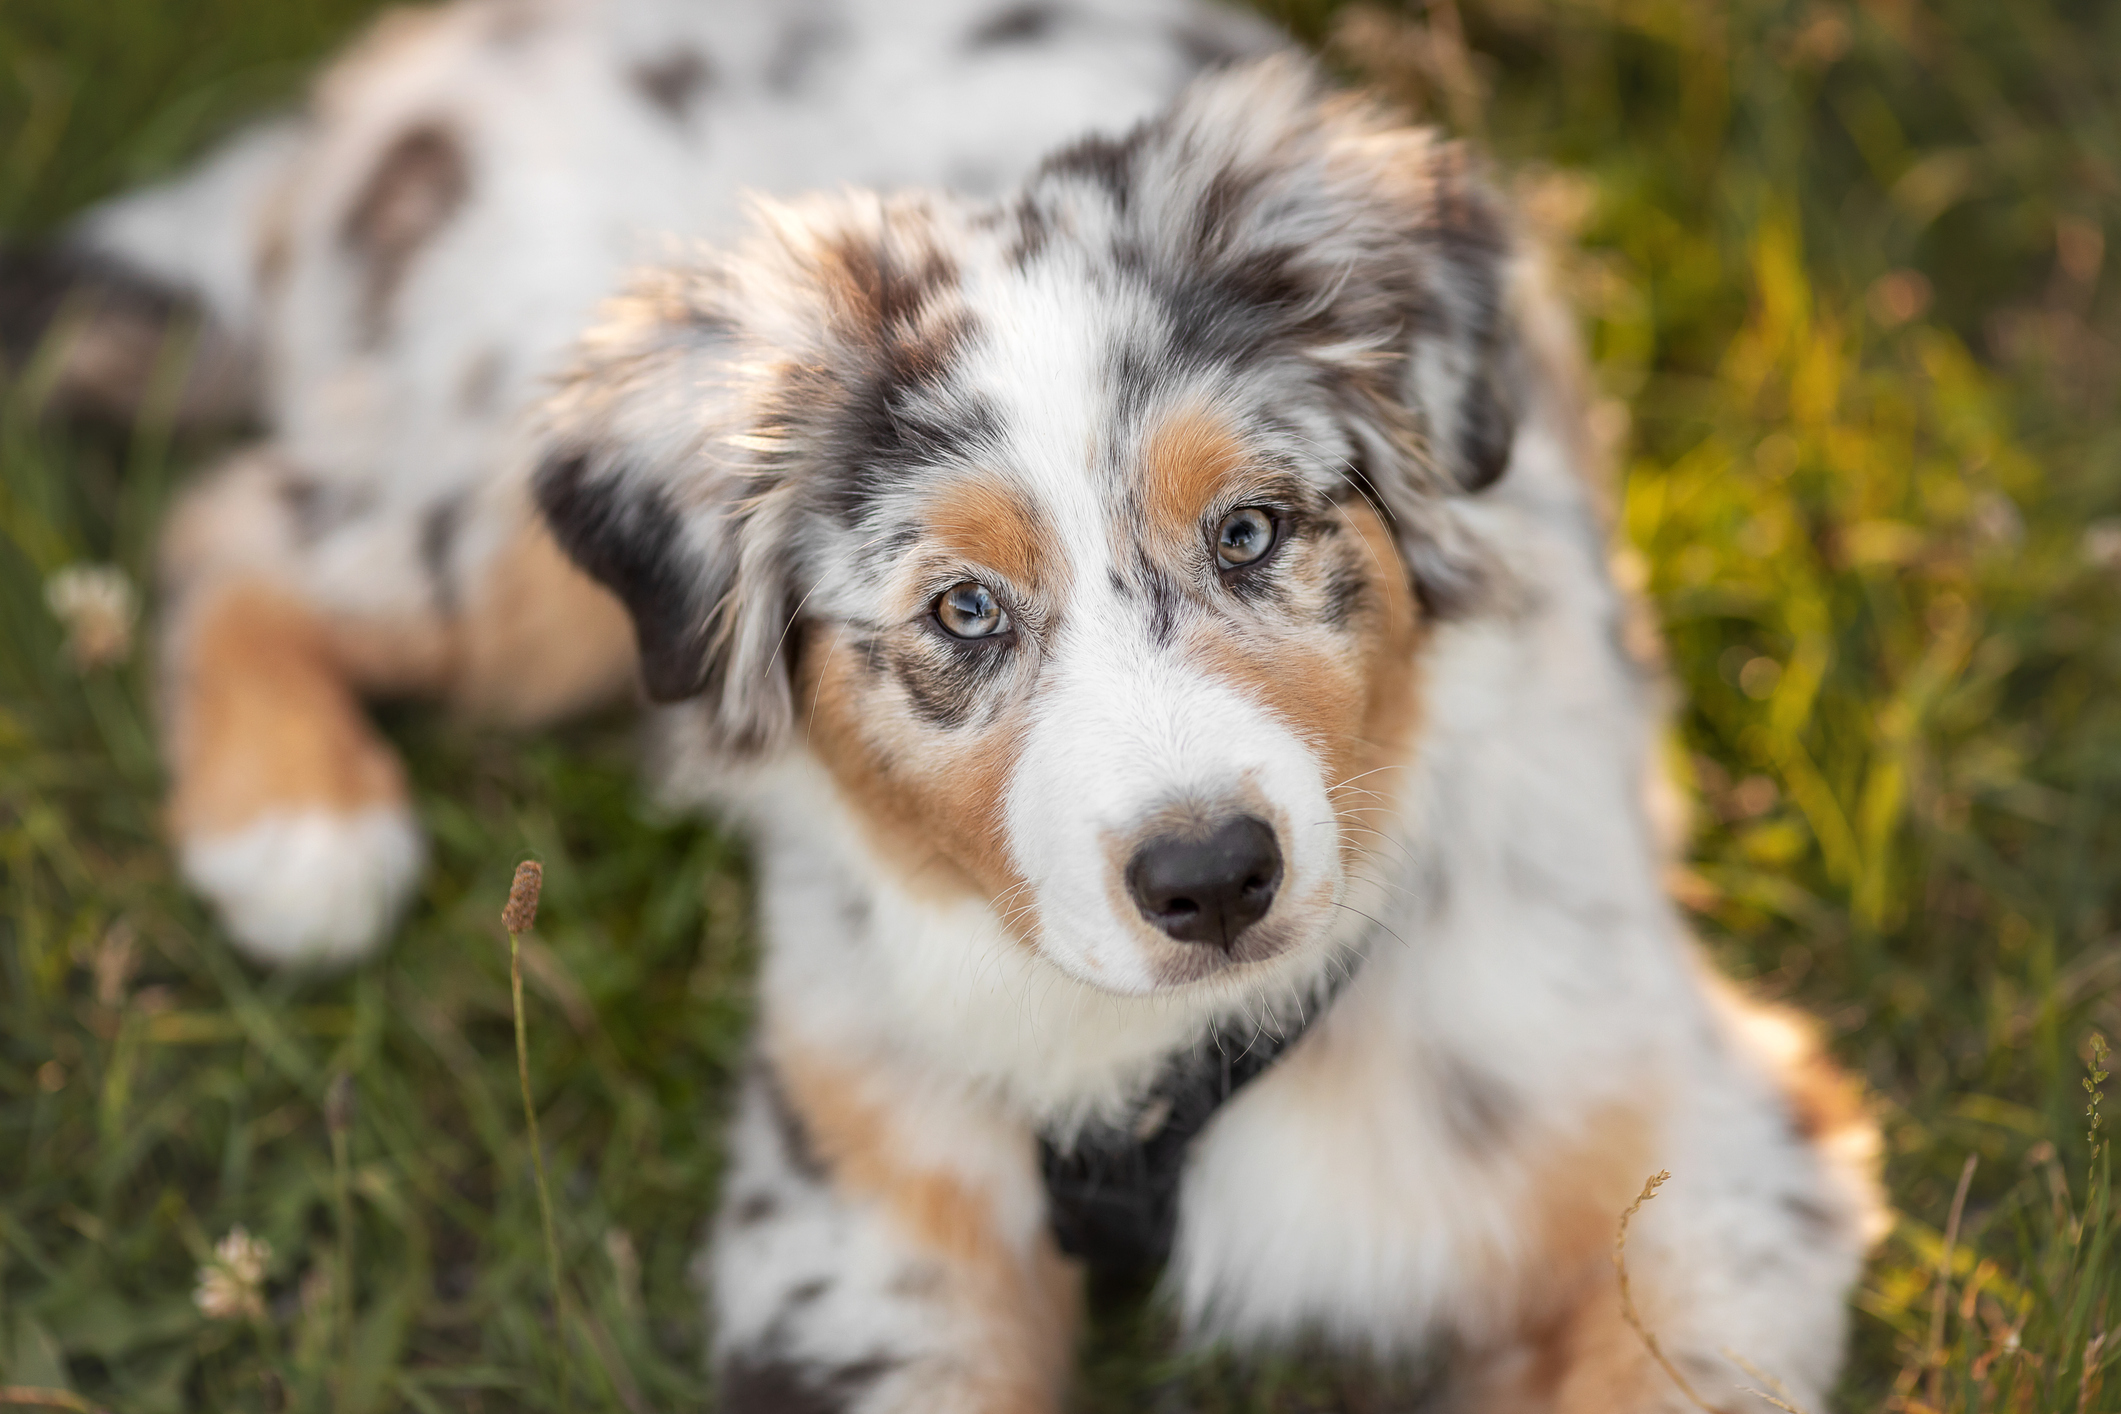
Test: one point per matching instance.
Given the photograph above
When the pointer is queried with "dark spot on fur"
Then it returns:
(944, 683)
(1033, 231)
(892, 406)
(1817, 1223)
(317, 508)
(1479, 1109)
(1019, 24)
(1107, 163)
(306, 502)
(417, 186)
(767, 1384)
(808, 1292)
(1164, 601)
(670, 84)
(753, 1209)
(1347, 589)
(438, 538)
(796, 1147)
(627, 535)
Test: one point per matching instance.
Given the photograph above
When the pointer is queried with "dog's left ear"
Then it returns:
(1283, 220)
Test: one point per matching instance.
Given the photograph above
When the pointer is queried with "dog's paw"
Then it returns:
(310, 887)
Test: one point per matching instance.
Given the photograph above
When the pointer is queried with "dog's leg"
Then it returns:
(882, 1247)
(289, 812)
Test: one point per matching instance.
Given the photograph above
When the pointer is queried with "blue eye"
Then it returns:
(1244, 538)
(970, 610)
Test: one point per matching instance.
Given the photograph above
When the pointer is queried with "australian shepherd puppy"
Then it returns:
(1149, 602)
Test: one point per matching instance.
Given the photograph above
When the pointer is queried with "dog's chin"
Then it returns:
(1150, 965)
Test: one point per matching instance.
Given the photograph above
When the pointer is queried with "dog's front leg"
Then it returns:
(882, 1246)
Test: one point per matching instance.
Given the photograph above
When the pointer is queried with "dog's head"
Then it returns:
(1088, 538)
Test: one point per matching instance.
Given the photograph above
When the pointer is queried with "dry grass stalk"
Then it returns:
(1932, 1360)
(1777, 1393)
(518, 917)
(1627, 1296)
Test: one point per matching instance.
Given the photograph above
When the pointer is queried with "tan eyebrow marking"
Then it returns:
(1184, 463)
(984, 520)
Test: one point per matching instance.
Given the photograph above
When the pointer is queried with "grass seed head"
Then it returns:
(522, 910)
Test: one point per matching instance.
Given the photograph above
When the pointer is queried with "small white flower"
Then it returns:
(98, 605)
(2102, 544)
(231, 1285)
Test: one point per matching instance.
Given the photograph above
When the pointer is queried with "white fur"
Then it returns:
(310, 888)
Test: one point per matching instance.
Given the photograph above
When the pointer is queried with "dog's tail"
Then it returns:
(149, 304)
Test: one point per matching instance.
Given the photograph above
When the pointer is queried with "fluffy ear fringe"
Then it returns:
(646, 486)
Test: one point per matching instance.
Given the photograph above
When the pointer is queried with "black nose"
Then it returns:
(1207, 890)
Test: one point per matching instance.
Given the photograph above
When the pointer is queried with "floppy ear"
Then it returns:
(706, 419)
(648, 489)
(1287, 220)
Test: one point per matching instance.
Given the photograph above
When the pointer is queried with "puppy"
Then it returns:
(1155, 623)
(1198, 787)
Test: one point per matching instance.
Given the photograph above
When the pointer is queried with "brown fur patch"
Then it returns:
(936, 813)
(417, 185)
(1825, 1101)
(540, 638)
(1358, 709)
(1185, 462)
(1024, 1300)
(1574, 1352)
(263, 718)
(984, 521)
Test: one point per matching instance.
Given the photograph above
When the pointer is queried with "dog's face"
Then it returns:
(1087, 540)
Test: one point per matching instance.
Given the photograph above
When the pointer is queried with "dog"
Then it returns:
(1136, 565)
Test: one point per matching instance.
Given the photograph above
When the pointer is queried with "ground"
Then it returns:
(1844, 272)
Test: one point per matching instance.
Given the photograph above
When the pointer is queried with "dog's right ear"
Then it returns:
(647, 488)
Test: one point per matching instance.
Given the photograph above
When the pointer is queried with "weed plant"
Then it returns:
(1844, 272)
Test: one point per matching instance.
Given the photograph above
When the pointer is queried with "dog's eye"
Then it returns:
(1245, 537)
(969, 610)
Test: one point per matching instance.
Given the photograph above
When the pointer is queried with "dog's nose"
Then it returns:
(1207, 890)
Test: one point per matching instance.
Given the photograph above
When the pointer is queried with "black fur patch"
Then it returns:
(417, 186)
(1019, 24)
(754, 1209)
(771, 1385)
(438, 538)
(1347, 591)
(1107, 163)
(627, 536)
(894, 407)
(673, 82)
(796, 1147)
(1112, 1194)
(944, 682)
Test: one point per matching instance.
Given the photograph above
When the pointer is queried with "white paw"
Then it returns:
(310, 886)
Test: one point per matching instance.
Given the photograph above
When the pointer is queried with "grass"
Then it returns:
(1844, 271)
